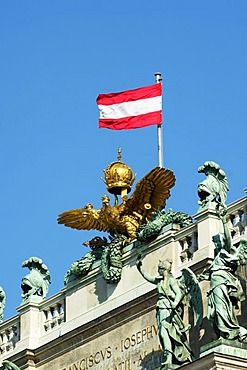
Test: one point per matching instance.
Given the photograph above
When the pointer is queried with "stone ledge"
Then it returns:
(226, 347)
(220, 354)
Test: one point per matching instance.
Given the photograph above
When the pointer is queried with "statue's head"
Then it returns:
(214, 188)
(165, 265)
(88, 206)
(219, 241)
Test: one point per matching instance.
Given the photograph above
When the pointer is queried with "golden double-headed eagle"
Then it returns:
(150, 194)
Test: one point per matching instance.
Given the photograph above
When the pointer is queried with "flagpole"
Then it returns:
(158, 78)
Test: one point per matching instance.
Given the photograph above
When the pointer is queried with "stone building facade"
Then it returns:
(93, 325)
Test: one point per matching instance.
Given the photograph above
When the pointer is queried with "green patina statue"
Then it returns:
(213, 189)
(110, 255)
(35, 284)
(225, 289)
(2, 303)
(82, 266)
(160, 219)
(172, 294)
(111, 260)
(7, 365)
(242, 262)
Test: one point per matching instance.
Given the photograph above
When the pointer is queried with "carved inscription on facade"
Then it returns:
(128, 353)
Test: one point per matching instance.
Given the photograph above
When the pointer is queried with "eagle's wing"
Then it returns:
(86, 218)
(151, 192)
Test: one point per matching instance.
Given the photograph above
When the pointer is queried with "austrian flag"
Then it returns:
(131, 108)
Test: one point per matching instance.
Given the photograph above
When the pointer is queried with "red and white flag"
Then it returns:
(131, 108)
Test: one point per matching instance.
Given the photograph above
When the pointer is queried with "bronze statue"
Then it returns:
(36, 283)
(150, 194)
(169, 312)
(213, 189)
(151, 230)
(110, 254)
(225, 289)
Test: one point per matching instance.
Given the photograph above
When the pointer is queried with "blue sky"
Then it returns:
(56, 57)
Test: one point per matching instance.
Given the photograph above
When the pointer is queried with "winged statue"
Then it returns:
(172, 295)
(150, 195)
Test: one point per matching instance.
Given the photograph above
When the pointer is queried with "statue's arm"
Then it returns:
(221, 211)
(146, 276)
(228, 239)
(204, 275)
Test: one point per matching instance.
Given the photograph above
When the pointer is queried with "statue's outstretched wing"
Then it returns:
(86, 218)
(151, 192)
(189, 284)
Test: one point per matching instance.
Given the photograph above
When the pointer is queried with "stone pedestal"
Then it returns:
(30, 323)
(221, 355)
